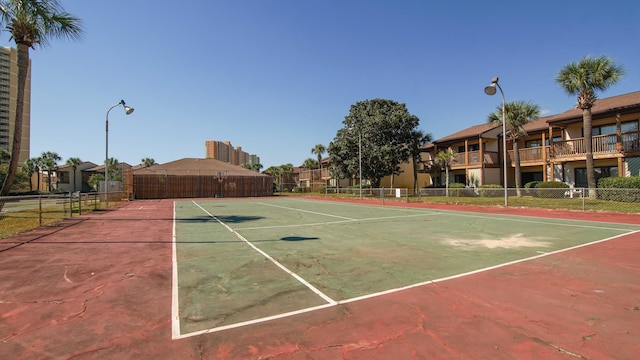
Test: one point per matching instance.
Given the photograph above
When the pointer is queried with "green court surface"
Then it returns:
(242, 261)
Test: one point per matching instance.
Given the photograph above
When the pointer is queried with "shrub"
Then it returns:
(530, 187)
(491, 190)
(532, 184)
(550, 189)
(631, 182)
(608, 188)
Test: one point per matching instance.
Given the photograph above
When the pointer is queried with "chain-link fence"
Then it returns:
(582, 199)
(614, 200)
(23, 213)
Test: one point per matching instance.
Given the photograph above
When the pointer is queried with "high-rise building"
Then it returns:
(8, 97)
(224, 151)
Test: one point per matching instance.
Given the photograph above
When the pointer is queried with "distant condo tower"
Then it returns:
(224, 151)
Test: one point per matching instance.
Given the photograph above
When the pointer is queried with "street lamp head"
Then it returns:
(127, 109)
(490, 89)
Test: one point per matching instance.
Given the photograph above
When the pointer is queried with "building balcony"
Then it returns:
(530, 156)
(474, 158)
(603, 146)
(315, 175)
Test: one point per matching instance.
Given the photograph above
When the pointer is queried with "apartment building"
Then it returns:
(8, 96)
(225, 152)
(552, 150)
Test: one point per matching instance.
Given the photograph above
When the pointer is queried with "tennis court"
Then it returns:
(242, 262)
(290, 278)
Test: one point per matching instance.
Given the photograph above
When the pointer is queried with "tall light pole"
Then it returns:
(360, 159)
(127, 110)
(491, 90)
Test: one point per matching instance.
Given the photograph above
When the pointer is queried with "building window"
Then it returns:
(460, 179)
(629, 126)
(602, 171)
(610, 129)
(528, 177)
(533, 143)
(63, 177)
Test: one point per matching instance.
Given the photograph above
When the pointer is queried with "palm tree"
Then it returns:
(256, 167)
(30, 167)
(113, 166)
(148, 162)
(418, 139)
(276, 172)
(31, 22)
(518, 114)
(583, 79)
(319, 149)
(309, 164)
(50, 164)
(74, 162)
(445, 158)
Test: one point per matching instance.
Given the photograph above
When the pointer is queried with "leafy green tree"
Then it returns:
(583, 78)
(94, 180)
(148, 162)
(74, 162)
(50, 164)
(319, 149)
(31, 22)
(5, 157)
(256, 167)
(377, 131)
(445, 159)
(252, 167)
(518, 114)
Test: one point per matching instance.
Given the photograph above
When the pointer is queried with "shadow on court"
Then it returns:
(106, 294)
(298, 238)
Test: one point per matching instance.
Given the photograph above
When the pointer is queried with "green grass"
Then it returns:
(29, 218)
(515, 201)
(536, 202)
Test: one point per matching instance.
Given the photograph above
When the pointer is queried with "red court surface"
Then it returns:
(99, 287)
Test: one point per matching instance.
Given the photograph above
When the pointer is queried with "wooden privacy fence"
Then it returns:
(200, 186)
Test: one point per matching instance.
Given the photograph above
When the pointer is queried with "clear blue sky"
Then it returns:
(278, 77)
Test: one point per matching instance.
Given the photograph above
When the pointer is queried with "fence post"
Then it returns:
(40, 209)
(382, 192)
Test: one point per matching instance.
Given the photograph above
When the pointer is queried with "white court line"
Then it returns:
(334, 222)
(481, 270)
(254, 321)
(501, 217)
(267, 256)
(175, 306)
(549, 223)
(307, 211)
